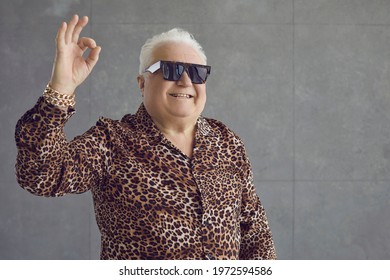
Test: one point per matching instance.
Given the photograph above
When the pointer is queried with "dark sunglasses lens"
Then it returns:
(167, 70)
(179, 69)
(198, 74)
(173, 72)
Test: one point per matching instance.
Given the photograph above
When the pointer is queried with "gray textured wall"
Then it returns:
(305, 83)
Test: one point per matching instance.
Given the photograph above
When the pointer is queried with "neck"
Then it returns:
(177, 127)
(181, 134)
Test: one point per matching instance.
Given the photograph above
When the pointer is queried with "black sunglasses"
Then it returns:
(172, 71)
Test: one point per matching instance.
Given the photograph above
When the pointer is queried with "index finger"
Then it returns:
(85, 43)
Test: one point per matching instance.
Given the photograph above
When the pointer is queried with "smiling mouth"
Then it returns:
(181, 95)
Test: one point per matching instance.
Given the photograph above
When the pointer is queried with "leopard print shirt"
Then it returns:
(151, 201)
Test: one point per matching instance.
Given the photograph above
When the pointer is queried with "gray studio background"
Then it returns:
(305, 83)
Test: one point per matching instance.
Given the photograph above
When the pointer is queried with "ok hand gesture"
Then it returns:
(70, 68)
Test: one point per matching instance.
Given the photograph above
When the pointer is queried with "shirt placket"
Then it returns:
(206, 218)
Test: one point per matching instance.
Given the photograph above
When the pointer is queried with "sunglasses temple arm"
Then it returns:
(154, 67)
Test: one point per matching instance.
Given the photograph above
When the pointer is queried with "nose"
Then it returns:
(184, 80)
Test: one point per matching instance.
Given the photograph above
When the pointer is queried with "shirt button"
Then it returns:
(206, 221)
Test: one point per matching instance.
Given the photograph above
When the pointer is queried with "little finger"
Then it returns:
(60, 38)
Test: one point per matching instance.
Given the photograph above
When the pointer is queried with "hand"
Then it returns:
(70, 68)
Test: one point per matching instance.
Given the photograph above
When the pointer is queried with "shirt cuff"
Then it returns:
(56, 98)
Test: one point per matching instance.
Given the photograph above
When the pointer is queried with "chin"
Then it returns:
(187, 113)
(184, 115)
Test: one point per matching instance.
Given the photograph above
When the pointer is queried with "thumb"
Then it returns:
(93, 57)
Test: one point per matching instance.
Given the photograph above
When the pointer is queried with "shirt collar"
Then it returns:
(144, 123)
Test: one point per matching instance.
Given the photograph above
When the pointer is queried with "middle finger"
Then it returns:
(78, 28)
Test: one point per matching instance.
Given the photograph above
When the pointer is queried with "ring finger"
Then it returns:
(79, 27)
(69, 30)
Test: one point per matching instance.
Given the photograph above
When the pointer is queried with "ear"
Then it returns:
(141, 82)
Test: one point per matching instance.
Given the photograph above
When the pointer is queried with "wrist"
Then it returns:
(63, 89)
(54, 97)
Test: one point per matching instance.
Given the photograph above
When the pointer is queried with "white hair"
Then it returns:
(177, 35)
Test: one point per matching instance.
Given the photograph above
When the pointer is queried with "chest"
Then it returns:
(160, 175)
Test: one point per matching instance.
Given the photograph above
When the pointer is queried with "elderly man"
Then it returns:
(166, 182)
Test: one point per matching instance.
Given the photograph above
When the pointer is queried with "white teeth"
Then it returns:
(181, 95)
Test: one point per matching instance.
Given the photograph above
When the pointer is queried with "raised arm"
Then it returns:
(47, 164)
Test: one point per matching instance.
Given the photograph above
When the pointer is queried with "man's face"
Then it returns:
(173, 101)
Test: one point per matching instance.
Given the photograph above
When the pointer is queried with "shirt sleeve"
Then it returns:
(256, 237)
(47, 164)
